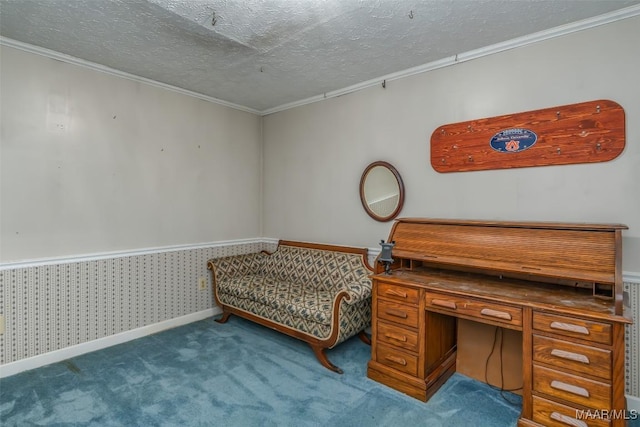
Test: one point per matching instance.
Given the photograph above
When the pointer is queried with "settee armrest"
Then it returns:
(356, 291)
(236, 266)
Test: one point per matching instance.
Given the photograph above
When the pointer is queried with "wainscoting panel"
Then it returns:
(50, 306)
(632, 340)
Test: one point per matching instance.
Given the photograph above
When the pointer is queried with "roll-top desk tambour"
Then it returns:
(559, 284)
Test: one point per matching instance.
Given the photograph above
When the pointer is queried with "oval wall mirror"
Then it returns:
(381, 191)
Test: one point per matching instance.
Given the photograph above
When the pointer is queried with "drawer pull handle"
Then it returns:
(396, 293)
(576, 357)
(495, 313)
(398, 360)
(397, 313)
(570, 328)
(396, 337)
(567, 420)
(570, 388)
(444, 303)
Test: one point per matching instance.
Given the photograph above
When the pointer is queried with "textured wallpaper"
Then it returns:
(632, 341)
(50, 307)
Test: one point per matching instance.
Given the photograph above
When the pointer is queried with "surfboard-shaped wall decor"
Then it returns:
(588, 132)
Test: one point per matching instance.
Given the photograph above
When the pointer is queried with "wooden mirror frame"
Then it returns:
(395, 173)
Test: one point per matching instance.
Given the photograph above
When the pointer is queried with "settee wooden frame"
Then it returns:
(319, 346)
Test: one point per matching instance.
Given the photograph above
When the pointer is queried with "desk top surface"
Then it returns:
(538, 295)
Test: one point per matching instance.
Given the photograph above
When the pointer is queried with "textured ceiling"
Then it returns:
(266, 53)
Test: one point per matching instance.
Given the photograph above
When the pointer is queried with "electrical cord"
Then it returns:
(486, 368)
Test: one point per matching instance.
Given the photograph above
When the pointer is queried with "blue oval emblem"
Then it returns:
(513, 140)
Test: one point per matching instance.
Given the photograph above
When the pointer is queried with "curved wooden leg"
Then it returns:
(322, 358)
(364, 337)
(224, 318)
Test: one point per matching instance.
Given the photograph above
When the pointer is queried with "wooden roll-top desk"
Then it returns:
(559, 284)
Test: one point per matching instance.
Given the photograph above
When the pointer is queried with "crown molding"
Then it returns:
(562, 30)
(551, 33)
(441, 63)
(4, 41)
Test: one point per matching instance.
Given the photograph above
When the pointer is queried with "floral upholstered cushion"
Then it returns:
(237, 266)
(295, 298)
(320, 268)
(318, 330)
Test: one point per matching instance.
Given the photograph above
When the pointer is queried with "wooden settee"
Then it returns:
(320, 294)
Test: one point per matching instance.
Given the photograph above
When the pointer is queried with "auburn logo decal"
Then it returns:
(513, 140)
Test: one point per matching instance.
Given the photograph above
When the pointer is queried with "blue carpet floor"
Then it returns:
(234, 374)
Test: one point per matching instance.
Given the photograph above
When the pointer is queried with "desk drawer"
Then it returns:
(396, 359)
(553, 414)
(397, 336)
(593, 394)
(567, 355)
(573, 327)
(398, 313)
(474, 308)
(398, 293)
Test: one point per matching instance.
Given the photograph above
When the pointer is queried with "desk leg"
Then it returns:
(527, 363)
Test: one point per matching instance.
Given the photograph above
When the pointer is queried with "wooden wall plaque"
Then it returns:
(587, 132)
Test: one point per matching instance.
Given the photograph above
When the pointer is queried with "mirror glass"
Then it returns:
(381, 191)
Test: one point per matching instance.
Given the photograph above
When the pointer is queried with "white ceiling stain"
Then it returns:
(265, 53)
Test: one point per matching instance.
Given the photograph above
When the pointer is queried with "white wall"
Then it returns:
(314, 155)
(135, 166)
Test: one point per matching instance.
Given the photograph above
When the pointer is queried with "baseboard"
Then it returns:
(87, 347)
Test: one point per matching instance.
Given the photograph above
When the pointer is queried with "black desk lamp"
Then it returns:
(385, 255)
